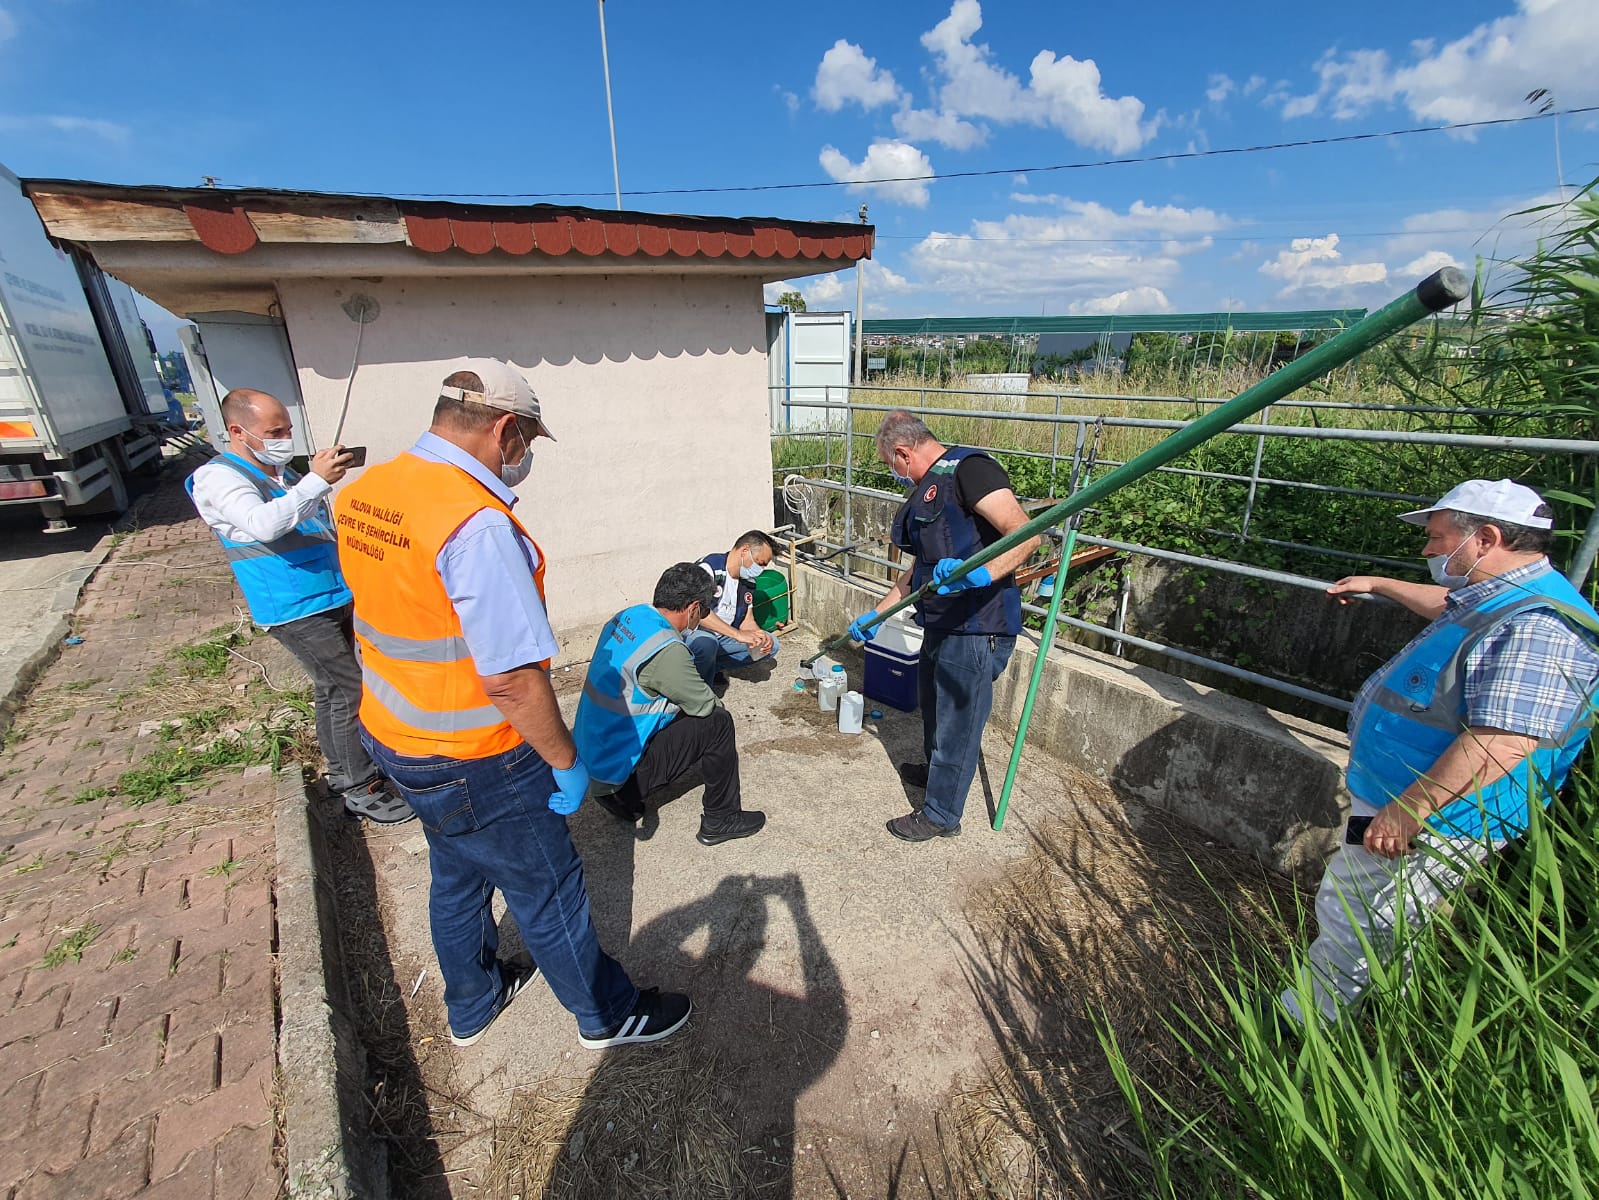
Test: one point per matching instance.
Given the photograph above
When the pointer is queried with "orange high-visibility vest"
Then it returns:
(420, 690)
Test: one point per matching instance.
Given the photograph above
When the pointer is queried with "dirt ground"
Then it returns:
(842, 995)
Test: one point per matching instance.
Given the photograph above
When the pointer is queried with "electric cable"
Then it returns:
(1085, 165)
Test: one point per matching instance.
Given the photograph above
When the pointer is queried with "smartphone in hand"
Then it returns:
(1355, 832)
(357, 455)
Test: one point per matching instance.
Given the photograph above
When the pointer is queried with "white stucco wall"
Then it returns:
(655, 387)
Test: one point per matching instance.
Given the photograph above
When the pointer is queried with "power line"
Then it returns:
(1181, 238)
(1174, 156)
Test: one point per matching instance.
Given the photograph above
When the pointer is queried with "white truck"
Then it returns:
(81, 402)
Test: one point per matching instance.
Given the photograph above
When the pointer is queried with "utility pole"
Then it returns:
(860, 336)
(605, 59)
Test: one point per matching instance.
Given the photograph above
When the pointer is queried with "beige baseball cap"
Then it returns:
(503, 387)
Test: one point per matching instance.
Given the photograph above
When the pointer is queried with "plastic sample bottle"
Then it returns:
(850, 707)
(828, 692)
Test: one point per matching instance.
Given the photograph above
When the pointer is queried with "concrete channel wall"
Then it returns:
(1250, 777)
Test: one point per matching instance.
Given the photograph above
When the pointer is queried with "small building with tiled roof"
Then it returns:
(644, 335)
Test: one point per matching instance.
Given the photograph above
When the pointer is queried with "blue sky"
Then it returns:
(409, 98)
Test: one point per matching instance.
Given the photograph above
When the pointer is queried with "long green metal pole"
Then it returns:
(1438, 291)
(1051, 624)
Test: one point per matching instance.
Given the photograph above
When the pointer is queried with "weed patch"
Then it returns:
(72, 945)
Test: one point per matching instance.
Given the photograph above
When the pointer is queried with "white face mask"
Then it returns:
(750, 571)
(1438, 564)
(274, 452)
(512, 474)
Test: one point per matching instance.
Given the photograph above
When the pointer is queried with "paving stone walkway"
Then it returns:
(137, 989)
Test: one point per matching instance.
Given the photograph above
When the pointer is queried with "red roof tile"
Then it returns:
(235, 221)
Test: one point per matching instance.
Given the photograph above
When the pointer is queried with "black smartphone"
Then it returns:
(357, 456)
(1355, 832)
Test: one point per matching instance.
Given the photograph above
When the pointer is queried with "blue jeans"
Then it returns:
(955, 685)
(489, 825)
(714, 651)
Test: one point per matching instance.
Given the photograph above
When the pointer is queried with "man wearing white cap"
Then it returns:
(1485, 708)
(458, 710)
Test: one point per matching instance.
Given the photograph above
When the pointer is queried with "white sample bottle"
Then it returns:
(828, 692)
(851, 707)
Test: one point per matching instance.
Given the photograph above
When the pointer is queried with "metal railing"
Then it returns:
(1069, 463)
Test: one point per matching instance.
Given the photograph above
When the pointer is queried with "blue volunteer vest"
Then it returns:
(295, 576)
(932, 525)
(615, 716)
(1417, 708)
(746, 592)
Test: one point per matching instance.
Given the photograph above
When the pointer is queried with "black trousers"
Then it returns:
(706, 742)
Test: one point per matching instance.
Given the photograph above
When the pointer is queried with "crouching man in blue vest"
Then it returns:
(646, 716)
(1487, 707)
(276, 530)
(728, 636)
(960, 501)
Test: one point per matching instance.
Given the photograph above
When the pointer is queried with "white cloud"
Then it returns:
(1082, 254)
(1481, 76)
(823, 290)
(1221, 86)
(1130, 300)
(1062, 92)
(72, 127)
(1018, 180)
(8, 27)
(924, 125)
(1076, 105)
(1254, 84)
(885, 160)
(790, 100)
(846, 74)
(837, 290)
(1426, 264)
(1316, 264)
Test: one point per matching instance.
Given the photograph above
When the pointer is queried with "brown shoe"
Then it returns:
(915, 827)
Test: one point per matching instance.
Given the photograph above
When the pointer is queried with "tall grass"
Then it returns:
(1474, 1074)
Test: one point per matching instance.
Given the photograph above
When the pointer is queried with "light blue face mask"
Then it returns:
(1438, 564)
(750, 572)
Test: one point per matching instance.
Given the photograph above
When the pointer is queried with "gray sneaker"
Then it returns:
(379, 802)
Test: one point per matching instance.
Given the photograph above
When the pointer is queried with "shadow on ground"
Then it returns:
(710, 1113)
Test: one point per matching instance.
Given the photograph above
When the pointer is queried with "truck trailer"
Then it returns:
(81, 402)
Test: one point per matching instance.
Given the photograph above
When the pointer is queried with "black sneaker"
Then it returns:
(913, 774)
(915, 827)
(514, 976)
(725, 829)
(656, 1015)
(613, 803)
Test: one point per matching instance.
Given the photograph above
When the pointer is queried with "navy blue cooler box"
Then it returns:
(891, 659)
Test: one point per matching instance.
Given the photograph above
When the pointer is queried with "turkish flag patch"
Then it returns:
(927, 496)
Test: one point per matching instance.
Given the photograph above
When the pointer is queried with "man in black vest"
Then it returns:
(960, 500)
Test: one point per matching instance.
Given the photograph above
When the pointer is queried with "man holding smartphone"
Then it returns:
(1455, 736)
(276, 530)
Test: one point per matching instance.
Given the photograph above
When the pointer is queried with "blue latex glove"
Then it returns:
(860, 634)
(571, 785)
(946, 568)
